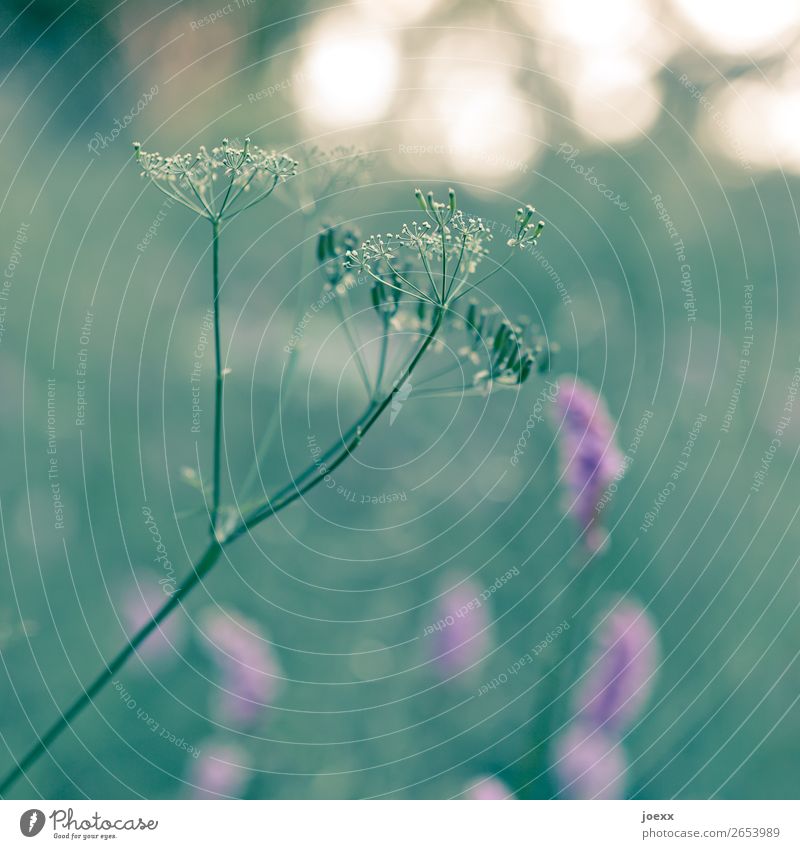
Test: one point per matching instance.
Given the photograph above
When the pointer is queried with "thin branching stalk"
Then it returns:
(219, 379)
(287, 381)
(508, 362)
(201, 568)
(209, 559)
(382, 356)
(324, 469)
(555, 698)
(355, 348)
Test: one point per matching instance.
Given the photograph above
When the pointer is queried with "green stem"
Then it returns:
(310, 469)
(271, 427)
(444, 268)
(217, 482)
(242, 188)
(382, 359)
(323, 469)
(203, 566)
(355, 348)
(261, 197)
(554, 699)
(455, 270)
(323, 458)
(458, 294)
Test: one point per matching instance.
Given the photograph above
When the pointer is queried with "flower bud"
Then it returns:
(589, 764)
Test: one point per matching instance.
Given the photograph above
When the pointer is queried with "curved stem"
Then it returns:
(310, 469)
(228, 194)
(324, 457)
(179, 199)
(382, 359)
(207, 562)
(398, 288)
(427, 268)
(203, 203)
(242, 188)
(203, 566)
(218, 386)
(455, 270)
(261, 197)
(458, 294)
(323, 469)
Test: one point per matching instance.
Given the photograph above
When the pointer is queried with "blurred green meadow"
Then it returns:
(641, 277)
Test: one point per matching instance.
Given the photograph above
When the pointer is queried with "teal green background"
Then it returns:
(363, 711)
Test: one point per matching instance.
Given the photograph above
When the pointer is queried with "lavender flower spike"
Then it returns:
(619, 679)
(461, 633)
(590, 459)
(250, 674)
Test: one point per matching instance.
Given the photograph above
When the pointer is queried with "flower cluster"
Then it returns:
(527, 233)
(418, 277)
(504, 346)
(333, 245)
(437, 256)
(221, 182)
(590, 458)
(590, 759)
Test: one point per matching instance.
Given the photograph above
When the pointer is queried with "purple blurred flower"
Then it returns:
(619, 679)
(250, 675)
(487, 789)
(140, 603)
(590, 459)
(461, 632)
(590, 764)
(221, 770)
